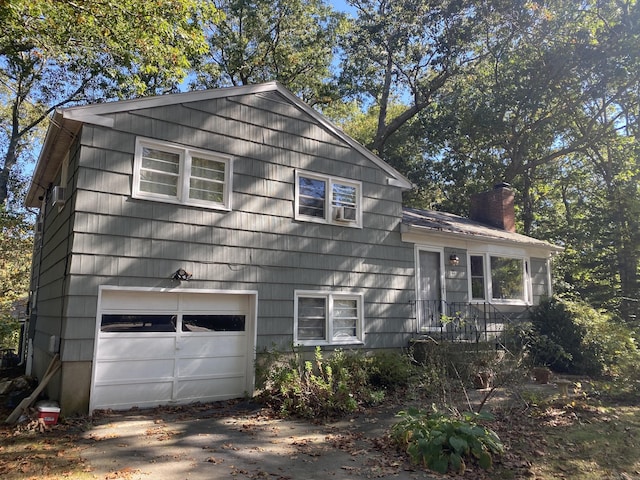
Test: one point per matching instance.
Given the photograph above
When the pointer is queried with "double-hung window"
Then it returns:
(176, 174)
(498, 278)
(327, 199)
(327, 318)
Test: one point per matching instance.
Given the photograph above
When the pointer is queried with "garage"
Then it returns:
(164, 347)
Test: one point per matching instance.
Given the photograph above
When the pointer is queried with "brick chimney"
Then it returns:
(495, 207)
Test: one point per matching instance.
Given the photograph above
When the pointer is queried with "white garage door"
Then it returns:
(155, 348)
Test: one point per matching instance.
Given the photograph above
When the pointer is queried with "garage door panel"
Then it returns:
(133, 301)
(212, 345)
(116, 347)
(191, 302)
(218, 389)
(140, 369)
(136, 395)
(220, 366)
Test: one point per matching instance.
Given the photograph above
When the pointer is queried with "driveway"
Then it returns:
(240, 440)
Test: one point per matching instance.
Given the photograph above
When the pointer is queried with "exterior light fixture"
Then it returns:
(181, 274)
(454, 259)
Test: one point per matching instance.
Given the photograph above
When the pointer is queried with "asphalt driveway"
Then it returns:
(240, 440)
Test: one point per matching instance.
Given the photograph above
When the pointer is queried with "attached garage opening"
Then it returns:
(169, 347)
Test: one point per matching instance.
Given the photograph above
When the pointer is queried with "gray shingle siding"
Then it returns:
(120, 240)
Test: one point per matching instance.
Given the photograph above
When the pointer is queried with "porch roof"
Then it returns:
(432, 221)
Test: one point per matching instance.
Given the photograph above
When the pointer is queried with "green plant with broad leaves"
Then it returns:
(444, 442)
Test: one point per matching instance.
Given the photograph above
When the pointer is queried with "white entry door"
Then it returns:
(155, 348)
(430, 296)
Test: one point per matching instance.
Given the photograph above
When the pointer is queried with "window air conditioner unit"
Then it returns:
(346, 214)
(58, 196)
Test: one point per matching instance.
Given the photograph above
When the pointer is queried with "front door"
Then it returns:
(429, 305)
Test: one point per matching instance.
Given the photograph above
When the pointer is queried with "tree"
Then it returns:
(16, 243)
(291, 41)
(553, 109)
(65, 52)
(404, 52)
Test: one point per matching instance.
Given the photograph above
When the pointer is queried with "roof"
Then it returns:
(431, 221)
(66, 124)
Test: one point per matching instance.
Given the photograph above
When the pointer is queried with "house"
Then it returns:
(475, 276)
(179, 235)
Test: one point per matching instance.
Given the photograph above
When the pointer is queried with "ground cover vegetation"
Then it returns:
(461, 430)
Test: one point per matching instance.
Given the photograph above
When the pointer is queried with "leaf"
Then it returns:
(457, 463)
(484, 460)
(459, 445)
(439, 464)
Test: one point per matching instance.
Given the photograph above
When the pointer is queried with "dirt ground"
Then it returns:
(234, 439)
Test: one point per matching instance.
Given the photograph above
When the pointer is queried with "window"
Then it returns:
(504, 281)
(176, 174)
(213, 323)
(138, 323)
(328, 200)
(507, 279)
(327, 318)
(477, 277)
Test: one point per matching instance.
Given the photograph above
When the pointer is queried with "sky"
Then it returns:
(341, 6)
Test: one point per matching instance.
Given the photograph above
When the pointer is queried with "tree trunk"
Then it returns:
(10, 160)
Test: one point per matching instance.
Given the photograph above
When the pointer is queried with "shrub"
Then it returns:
(328, 387)
(443, 442)
(390, 370)
(572, 337)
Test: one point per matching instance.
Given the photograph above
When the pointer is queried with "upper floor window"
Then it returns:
(328, 199)
(176, 174)
(326, 318)
(503, 280)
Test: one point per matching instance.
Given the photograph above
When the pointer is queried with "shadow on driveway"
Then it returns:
(241, 440)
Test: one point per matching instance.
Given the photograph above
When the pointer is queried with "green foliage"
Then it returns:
(445, 442)
(291, 41)
(57, 53)
(572, 337)
(15, 268)
(329, 387)
(390, 370)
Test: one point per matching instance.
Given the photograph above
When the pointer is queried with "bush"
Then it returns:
(390, 370)
(572, 337)
(444, 442)
(329, 387)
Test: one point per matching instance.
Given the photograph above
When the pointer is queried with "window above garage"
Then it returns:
(325, 199)
(171, 173)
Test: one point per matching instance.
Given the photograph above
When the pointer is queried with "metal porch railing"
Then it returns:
(465, 322)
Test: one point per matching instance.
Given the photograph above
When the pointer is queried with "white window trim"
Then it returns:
(329, 211)
(488, 287)
(185, 153)
(329, 296)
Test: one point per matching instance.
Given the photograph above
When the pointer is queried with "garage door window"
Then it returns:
(138, 323)
(213, 323)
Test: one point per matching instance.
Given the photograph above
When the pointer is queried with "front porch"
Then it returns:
(478, 322)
